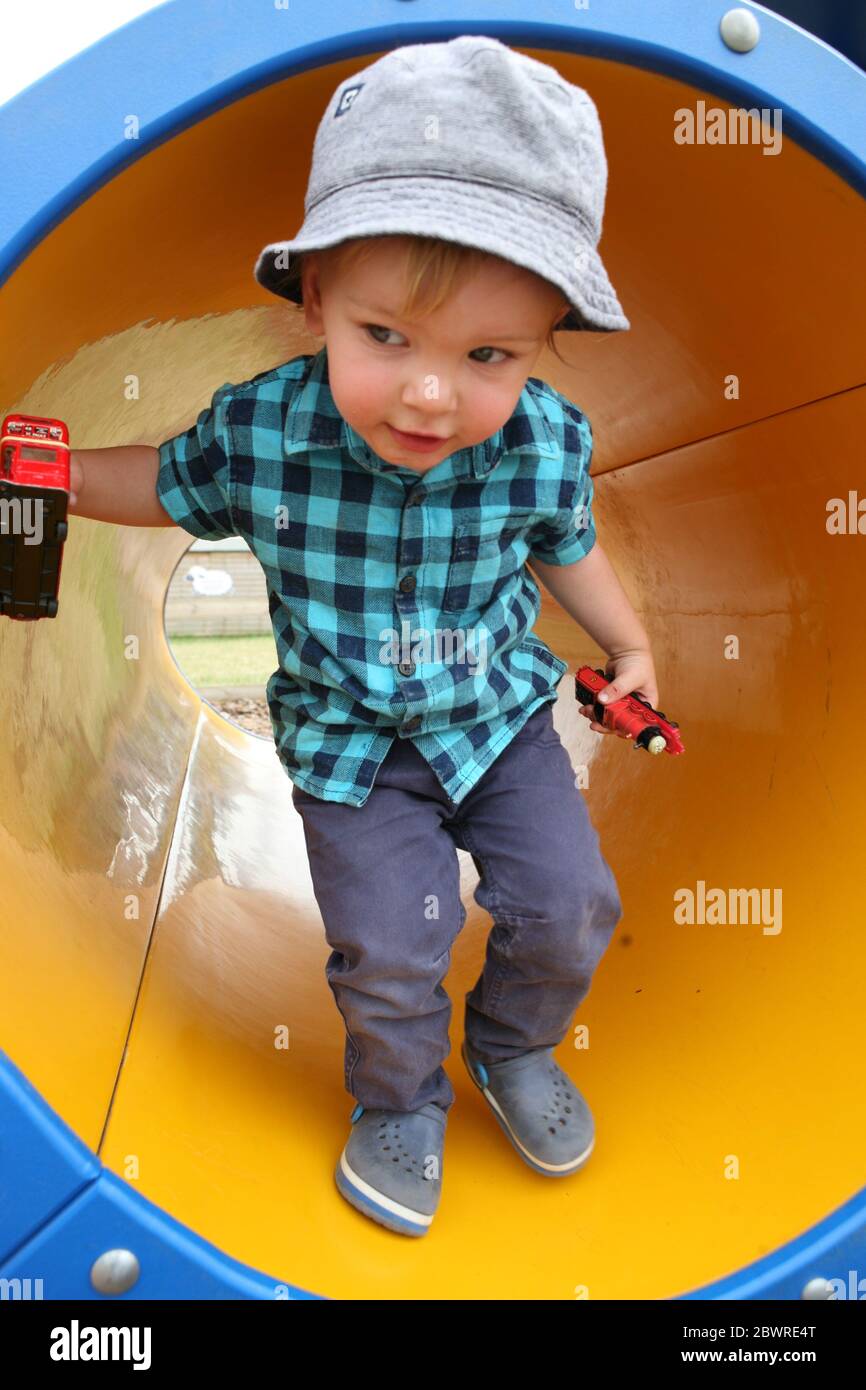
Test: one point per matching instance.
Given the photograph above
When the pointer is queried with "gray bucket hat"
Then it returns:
(473, 142)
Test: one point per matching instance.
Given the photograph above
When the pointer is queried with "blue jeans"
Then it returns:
(387, 881)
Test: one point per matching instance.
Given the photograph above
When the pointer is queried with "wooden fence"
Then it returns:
(242, 610)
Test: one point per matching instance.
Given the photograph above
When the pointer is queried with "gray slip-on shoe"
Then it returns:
(546, 1119)
(391, 1167)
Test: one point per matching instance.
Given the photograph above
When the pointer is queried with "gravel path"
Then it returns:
(252, 715)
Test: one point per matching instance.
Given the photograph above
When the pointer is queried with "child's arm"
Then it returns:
(591, 593)
(117, 485)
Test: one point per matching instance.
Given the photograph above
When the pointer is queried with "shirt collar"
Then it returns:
(313, 422)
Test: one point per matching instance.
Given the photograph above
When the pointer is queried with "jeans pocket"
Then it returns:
(540, 726)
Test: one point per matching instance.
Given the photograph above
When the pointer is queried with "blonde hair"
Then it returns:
(433, 269)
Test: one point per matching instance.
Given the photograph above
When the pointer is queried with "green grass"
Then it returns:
(226, 660)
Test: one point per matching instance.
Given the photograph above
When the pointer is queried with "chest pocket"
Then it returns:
(484, 556)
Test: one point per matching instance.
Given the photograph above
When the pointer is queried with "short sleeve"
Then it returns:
(193, 481)
(570, 535)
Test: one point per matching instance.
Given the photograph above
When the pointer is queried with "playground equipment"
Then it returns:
(171, 1099)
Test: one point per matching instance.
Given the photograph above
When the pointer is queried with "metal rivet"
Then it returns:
(740, 30)
(115, 1272)
(817, 1288)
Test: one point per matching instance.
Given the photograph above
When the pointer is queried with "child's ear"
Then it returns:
(312, 296)
(313, 321)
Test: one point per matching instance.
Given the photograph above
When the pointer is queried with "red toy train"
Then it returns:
(631, 715)
(34, 493)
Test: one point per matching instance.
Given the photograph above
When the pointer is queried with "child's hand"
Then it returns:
(628, 672)
(76, 479)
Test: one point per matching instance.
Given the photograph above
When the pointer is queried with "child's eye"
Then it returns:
(505, 355)
(374, 328)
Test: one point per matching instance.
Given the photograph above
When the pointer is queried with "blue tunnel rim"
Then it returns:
(65, 1186)
(203, 67)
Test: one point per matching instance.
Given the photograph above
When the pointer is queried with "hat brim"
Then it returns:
(491, 218)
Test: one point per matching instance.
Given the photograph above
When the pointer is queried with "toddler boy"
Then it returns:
(392, 486)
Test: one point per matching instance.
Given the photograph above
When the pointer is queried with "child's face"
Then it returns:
(457, 374)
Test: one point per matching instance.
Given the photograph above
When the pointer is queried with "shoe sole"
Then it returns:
(370, 1202)
(548, 1170)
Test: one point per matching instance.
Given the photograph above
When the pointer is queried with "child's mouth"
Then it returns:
(423, 443)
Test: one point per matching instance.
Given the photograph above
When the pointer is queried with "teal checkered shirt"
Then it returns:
(400, 601)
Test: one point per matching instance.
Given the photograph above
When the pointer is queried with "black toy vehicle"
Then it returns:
(34, 494)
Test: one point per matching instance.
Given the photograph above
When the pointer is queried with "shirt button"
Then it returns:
(412, 724)
(415, 499)
(407, 583)
(406, 668)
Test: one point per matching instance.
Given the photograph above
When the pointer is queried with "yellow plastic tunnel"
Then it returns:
(172, 1079)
